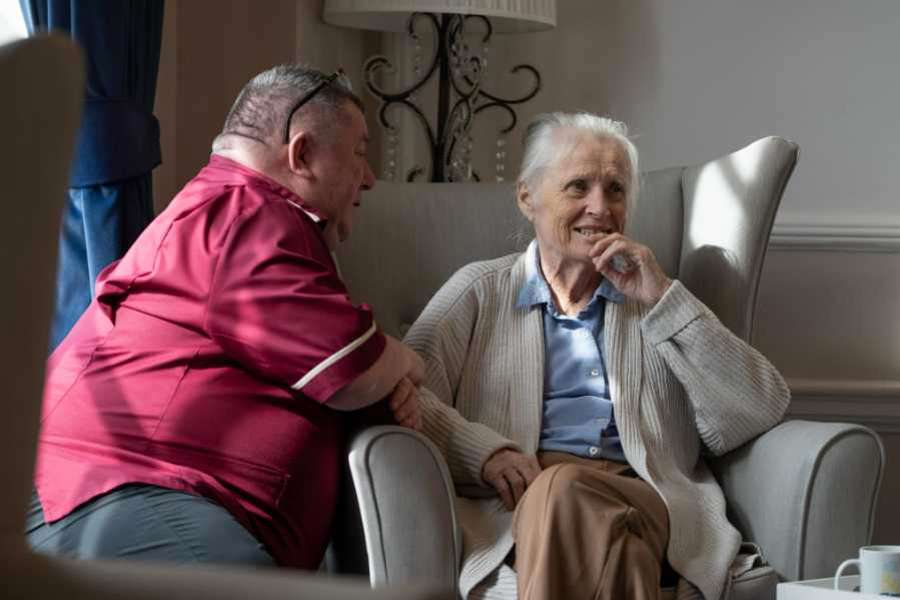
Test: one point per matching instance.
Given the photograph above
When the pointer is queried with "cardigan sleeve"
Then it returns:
(442, 336)
(735, 392)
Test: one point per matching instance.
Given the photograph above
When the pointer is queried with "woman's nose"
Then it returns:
(596, 201)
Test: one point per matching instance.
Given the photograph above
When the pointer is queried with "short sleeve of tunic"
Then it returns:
(278, 307)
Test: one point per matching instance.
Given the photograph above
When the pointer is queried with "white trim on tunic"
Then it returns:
(315, 371)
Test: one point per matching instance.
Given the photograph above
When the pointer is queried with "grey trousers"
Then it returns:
(146, 522)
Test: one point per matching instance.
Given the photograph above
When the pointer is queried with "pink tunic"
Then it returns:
(206, 362)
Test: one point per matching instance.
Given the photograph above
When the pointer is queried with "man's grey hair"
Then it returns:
(542, 148)
(260, 111)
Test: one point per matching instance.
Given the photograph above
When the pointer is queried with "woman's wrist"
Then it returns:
(662, 288)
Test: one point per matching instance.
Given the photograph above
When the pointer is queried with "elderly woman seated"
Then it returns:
(583, 385)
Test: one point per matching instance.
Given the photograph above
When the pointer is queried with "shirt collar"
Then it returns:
(236, 172)
(535, 289)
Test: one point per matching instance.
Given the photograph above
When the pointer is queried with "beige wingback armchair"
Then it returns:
(803, 492)
(39, 110)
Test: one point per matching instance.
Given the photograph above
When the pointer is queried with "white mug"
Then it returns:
(879, 570)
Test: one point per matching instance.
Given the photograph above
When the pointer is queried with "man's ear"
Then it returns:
(299, 150)
(525, 200)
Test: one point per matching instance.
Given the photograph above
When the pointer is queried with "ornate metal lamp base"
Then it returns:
(461, 96)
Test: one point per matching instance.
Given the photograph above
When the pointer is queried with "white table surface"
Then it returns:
(823, 589)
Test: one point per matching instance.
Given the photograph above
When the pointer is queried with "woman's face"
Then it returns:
(582, 194)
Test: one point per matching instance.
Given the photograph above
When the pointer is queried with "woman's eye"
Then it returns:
(578, 185)
(616, 188)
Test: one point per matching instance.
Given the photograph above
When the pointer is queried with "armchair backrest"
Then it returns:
(40, 113)
(409, 238)
(708, 225)
(729, 207)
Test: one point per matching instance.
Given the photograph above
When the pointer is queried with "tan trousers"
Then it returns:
(589, 529)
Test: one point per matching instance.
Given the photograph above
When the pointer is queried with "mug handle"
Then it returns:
(844, 565)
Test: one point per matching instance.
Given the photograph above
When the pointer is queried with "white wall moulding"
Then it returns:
(873, 403)
(878, 388)
(833, 237)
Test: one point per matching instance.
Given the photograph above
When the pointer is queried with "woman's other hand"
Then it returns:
(510, 472)
(642, 279)
(404, 404)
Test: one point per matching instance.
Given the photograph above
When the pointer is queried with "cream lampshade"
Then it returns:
(507, 16)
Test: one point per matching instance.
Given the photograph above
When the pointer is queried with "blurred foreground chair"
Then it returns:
(43, 77)
(804, 492)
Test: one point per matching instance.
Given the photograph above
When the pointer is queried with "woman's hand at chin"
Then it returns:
(631, 267)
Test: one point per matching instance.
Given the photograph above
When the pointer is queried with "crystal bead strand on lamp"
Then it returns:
(390, 163)
(458, 168)
(416, 66)
(468, 66)
(501, 157)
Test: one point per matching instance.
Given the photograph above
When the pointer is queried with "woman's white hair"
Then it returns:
(542, 148)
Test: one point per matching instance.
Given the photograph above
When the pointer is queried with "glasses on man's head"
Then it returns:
(309, 96)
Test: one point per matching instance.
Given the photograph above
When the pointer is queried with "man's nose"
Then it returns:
(368, 178)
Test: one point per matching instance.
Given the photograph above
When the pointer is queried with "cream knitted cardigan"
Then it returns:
(678, 378)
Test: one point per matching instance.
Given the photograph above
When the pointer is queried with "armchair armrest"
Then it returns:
(405, 498)
(805, 492)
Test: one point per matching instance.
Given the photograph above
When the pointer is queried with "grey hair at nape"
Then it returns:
(541, 148)
(261, 109)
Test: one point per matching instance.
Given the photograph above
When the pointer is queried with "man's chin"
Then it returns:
(332, 237)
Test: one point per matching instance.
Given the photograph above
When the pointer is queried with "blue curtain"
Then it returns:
(110, 200)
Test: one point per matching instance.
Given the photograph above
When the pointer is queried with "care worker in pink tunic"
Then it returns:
(195, 412)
